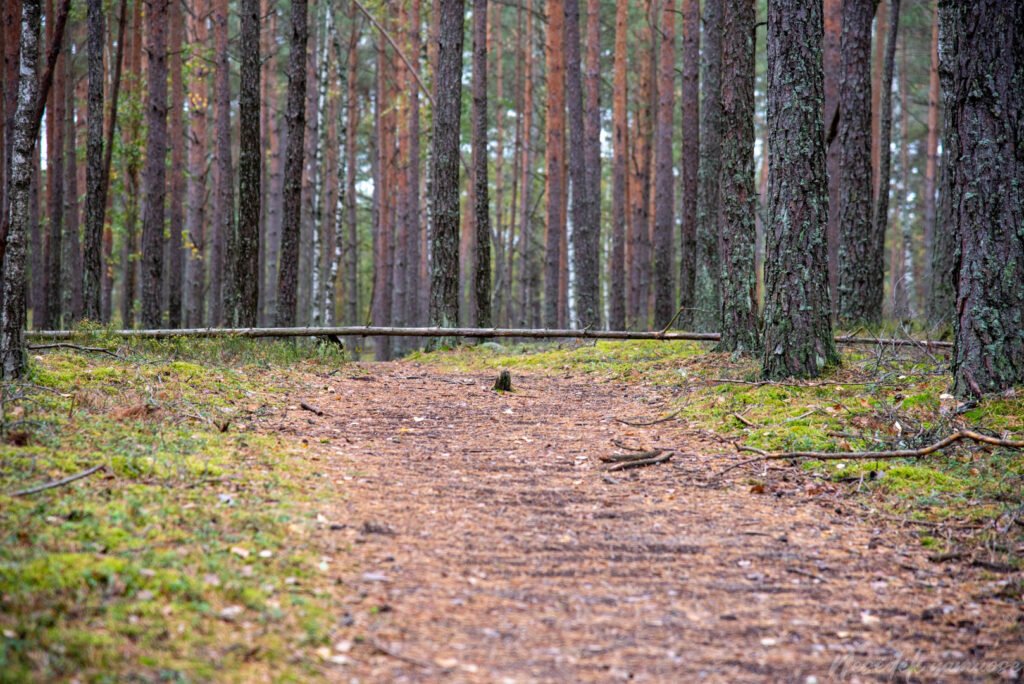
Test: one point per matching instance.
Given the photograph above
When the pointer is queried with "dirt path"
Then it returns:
(489, 545)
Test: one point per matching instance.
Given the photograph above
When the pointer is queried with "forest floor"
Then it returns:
(270, 512)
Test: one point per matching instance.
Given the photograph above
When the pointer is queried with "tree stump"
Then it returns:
(504, 382)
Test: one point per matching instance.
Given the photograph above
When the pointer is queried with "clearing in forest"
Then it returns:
(403, 521)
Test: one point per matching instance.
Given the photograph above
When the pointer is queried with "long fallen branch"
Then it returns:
(76, 347)
(58, 483)
(871, 455)
(435, 331)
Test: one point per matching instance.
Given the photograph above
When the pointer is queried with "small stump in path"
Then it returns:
(504, 382)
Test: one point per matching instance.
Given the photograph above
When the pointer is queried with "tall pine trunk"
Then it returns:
(982, 69)
(664, 178)
(555, 160)
(881, 211)
(737, 196)
(797, 314)
(617, 290)
(12, 301)
(154, 185)
(481, 205)
(198, 174)
(927, 284)
(444, 285)
(860, 261)
(288, 275)
(246, 244)
(690, 162)
(707, 315)
(176, 207)
(94, 199)
(55, 181)
(223, 193)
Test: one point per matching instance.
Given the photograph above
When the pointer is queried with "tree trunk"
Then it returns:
(881, 212)
(319, 169)
(664, 179)
(529, 276)
(176, 208)
(444, 285)
(640, 188)
(247, 247)
(12, 42)
(860, 262)
(903, 248)
(737, 195)
(221, 281)
(481, 204)
(55, 181)
(620, 176)
(416, 309)
(982, 64)
(107, 275)
(832, 59)
(555, 158)
(155, 174)
(352, 247)
(690, 161)
(94, 199)
(341, 193)
(797, 314)
(707, 313)
(130, 139)
(71, 260)
(12, 305)
(926, 285)
(198, 173)
(288, 278)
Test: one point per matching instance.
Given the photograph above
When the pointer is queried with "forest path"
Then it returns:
(478, 538)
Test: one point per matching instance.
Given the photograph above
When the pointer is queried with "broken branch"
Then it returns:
(58, 483)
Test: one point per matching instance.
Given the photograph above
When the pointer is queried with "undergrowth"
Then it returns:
(193, 554)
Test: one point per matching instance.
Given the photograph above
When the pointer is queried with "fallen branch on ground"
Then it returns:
(58, 483)
(310, 408)
(871, 455)
(640, 460)
(76, 347)
(636, 456)
(647, 423)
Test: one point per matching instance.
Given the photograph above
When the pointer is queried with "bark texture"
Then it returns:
(176, 205)
(861, 252)
(797, 314)
(620, 175)
(690, 162)
(881, 213)
(12, 304)
(707, 314)
(555, 161)
(154, 184)
(94, 199)
(481, 205)
(247, 248)
(737, 196)
(982, 68)
(664, 179)
(221, 284)
(288, 273)
(444, 279)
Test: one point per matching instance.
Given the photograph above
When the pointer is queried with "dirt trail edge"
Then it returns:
(478, 538)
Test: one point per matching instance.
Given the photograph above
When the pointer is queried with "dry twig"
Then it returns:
(647, 423)
(58, 483)
(872, 455)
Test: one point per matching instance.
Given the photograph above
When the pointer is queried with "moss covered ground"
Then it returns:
(197, 552)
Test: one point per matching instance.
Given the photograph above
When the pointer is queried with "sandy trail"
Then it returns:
(478, 538)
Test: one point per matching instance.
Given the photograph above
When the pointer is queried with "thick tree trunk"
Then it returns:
(617, 290)
(982, 63)
(737, 195)
(246, 243)
(130, 138)
(270, 184)
(481, 204)
(155, 173)
(588, 270)
(176, 207)
(797, 314)
(707, 313)
(639, 253)
(690, 162)
(881, 211)
(288, 277)
(444, 285)
(221, 281)
(832, 58)
(94, 199)
(555, 159)
(664, 179)
(860, 260)
(12, 304)
(12, 42)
